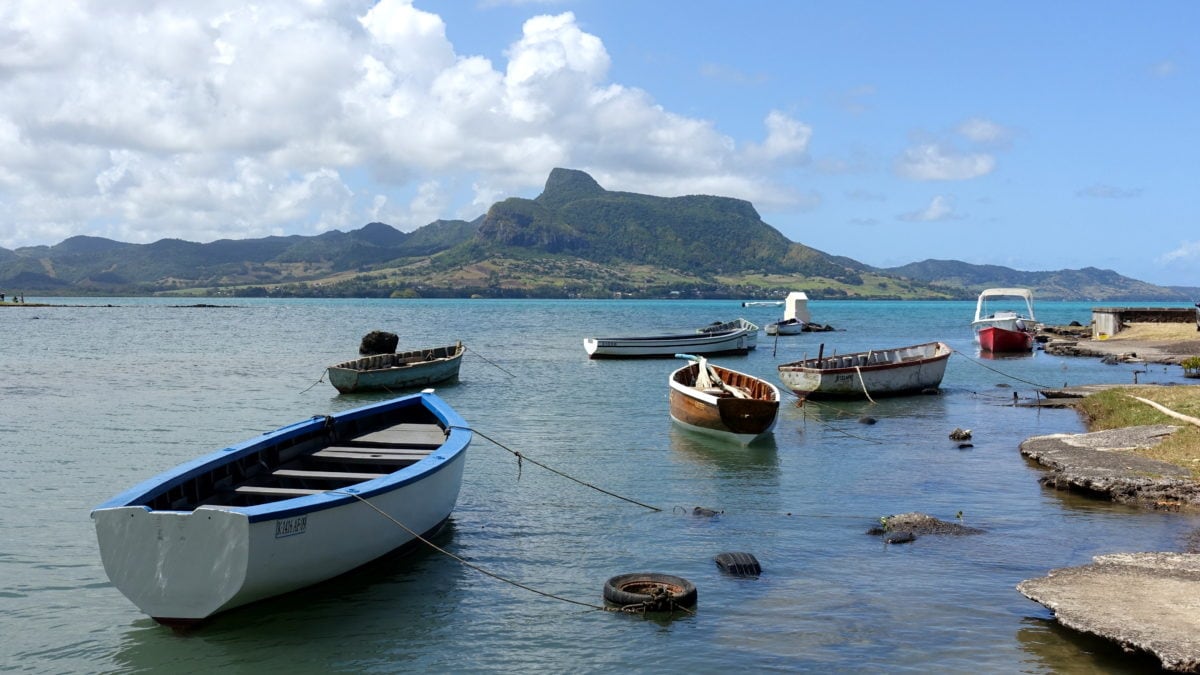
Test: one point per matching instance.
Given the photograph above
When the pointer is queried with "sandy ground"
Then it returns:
(1160, 342)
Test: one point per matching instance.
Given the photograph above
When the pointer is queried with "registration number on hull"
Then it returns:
(289, 527)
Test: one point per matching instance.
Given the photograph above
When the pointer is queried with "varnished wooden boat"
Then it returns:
(723, 403)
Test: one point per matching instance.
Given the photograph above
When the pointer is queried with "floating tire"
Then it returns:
(738, 564)
(650, 592)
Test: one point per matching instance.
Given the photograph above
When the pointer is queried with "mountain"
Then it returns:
(1088, 283)
(575, 239)
(698, 234)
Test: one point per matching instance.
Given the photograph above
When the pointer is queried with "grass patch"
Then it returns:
(1114, 409)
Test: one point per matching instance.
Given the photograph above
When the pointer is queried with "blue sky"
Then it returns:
(1038, 136)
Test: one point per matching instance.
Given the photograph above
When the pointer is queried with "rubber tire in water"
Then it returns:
(625, 589)
(738, 564)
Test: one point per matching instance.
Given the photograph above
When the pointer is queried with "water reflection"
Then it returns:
(1003, 356)
(398, 594)
(760, 457)
(1057, 649)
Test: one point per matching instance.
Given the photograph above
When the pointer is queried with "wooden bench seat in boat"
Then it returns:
(402, 435)
(343, 453)
(266, 491)
(353, 476)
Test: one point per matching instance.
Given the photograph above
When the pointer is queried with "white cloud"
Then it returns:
(1103, 191)
(1188, 252)
(730, 75)
(428, 205)
(932, 161)
(1164, 69)
(940, 208)
(987, 132)
(787, 140)
(218, 119)
(857, 99)
(861, 195)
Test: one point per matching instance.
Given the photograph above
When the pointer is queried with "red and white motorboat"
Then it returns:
(1004, 329)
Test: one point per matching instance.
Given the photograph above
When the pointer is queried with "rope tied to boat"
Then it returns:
(467, 563)
(466, 348)
(803, 403)
(1000, 372)
(319, 381)
(863, 383)
(660, 600)
(521, 457)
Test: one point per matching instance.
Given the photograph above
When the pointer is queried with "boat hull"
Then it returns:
(183, 566)
(737, 340)
(997, 339)
(390, 372)
(740, 420)
(889, 372)
(1000, 327)
(784, 328)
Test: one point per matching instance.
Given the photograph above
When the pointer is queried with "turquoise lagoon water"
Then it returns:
(97, 396)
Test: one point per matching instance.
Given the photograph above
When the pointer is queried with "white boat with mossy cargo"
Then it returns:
(284, 510)
(878, 372)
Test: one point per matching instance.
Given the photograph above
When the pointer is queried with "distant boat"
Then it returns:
(1004, 330)
(720, 402)
(880, 372)
(785, 327)
(730, 337)
(285, 509)
(795, 316)
(390, 372)
(762, 303)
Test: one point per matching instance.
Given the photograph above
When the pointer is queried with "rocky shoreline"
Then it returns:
(1142, 601)
(1148, 601)
(1139, 343)
(1106, 464)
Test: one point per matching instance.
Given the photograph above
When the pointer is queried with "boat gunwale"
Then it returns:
(456, 442)
(938, 355)
(456, 351)
(680, 393)
(691, 390)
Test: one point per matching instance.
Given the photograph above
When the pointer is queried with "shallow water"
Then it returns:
(101, 395)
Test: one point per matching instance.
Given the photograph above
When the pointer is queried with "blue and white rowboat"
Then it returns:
(286, 509)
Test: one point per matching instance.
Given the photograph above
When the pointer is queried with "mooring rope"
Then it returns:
(473, 566)
(319, 381)
(863, 383)
(520, 457)
(485, 359)
(829, 427)
(1000, 372)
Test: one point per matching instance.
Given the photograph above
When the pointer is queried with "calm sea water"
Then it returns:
(97, 396)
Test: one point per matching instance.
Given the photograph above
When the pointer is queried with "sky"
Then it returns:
(1034, 135)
